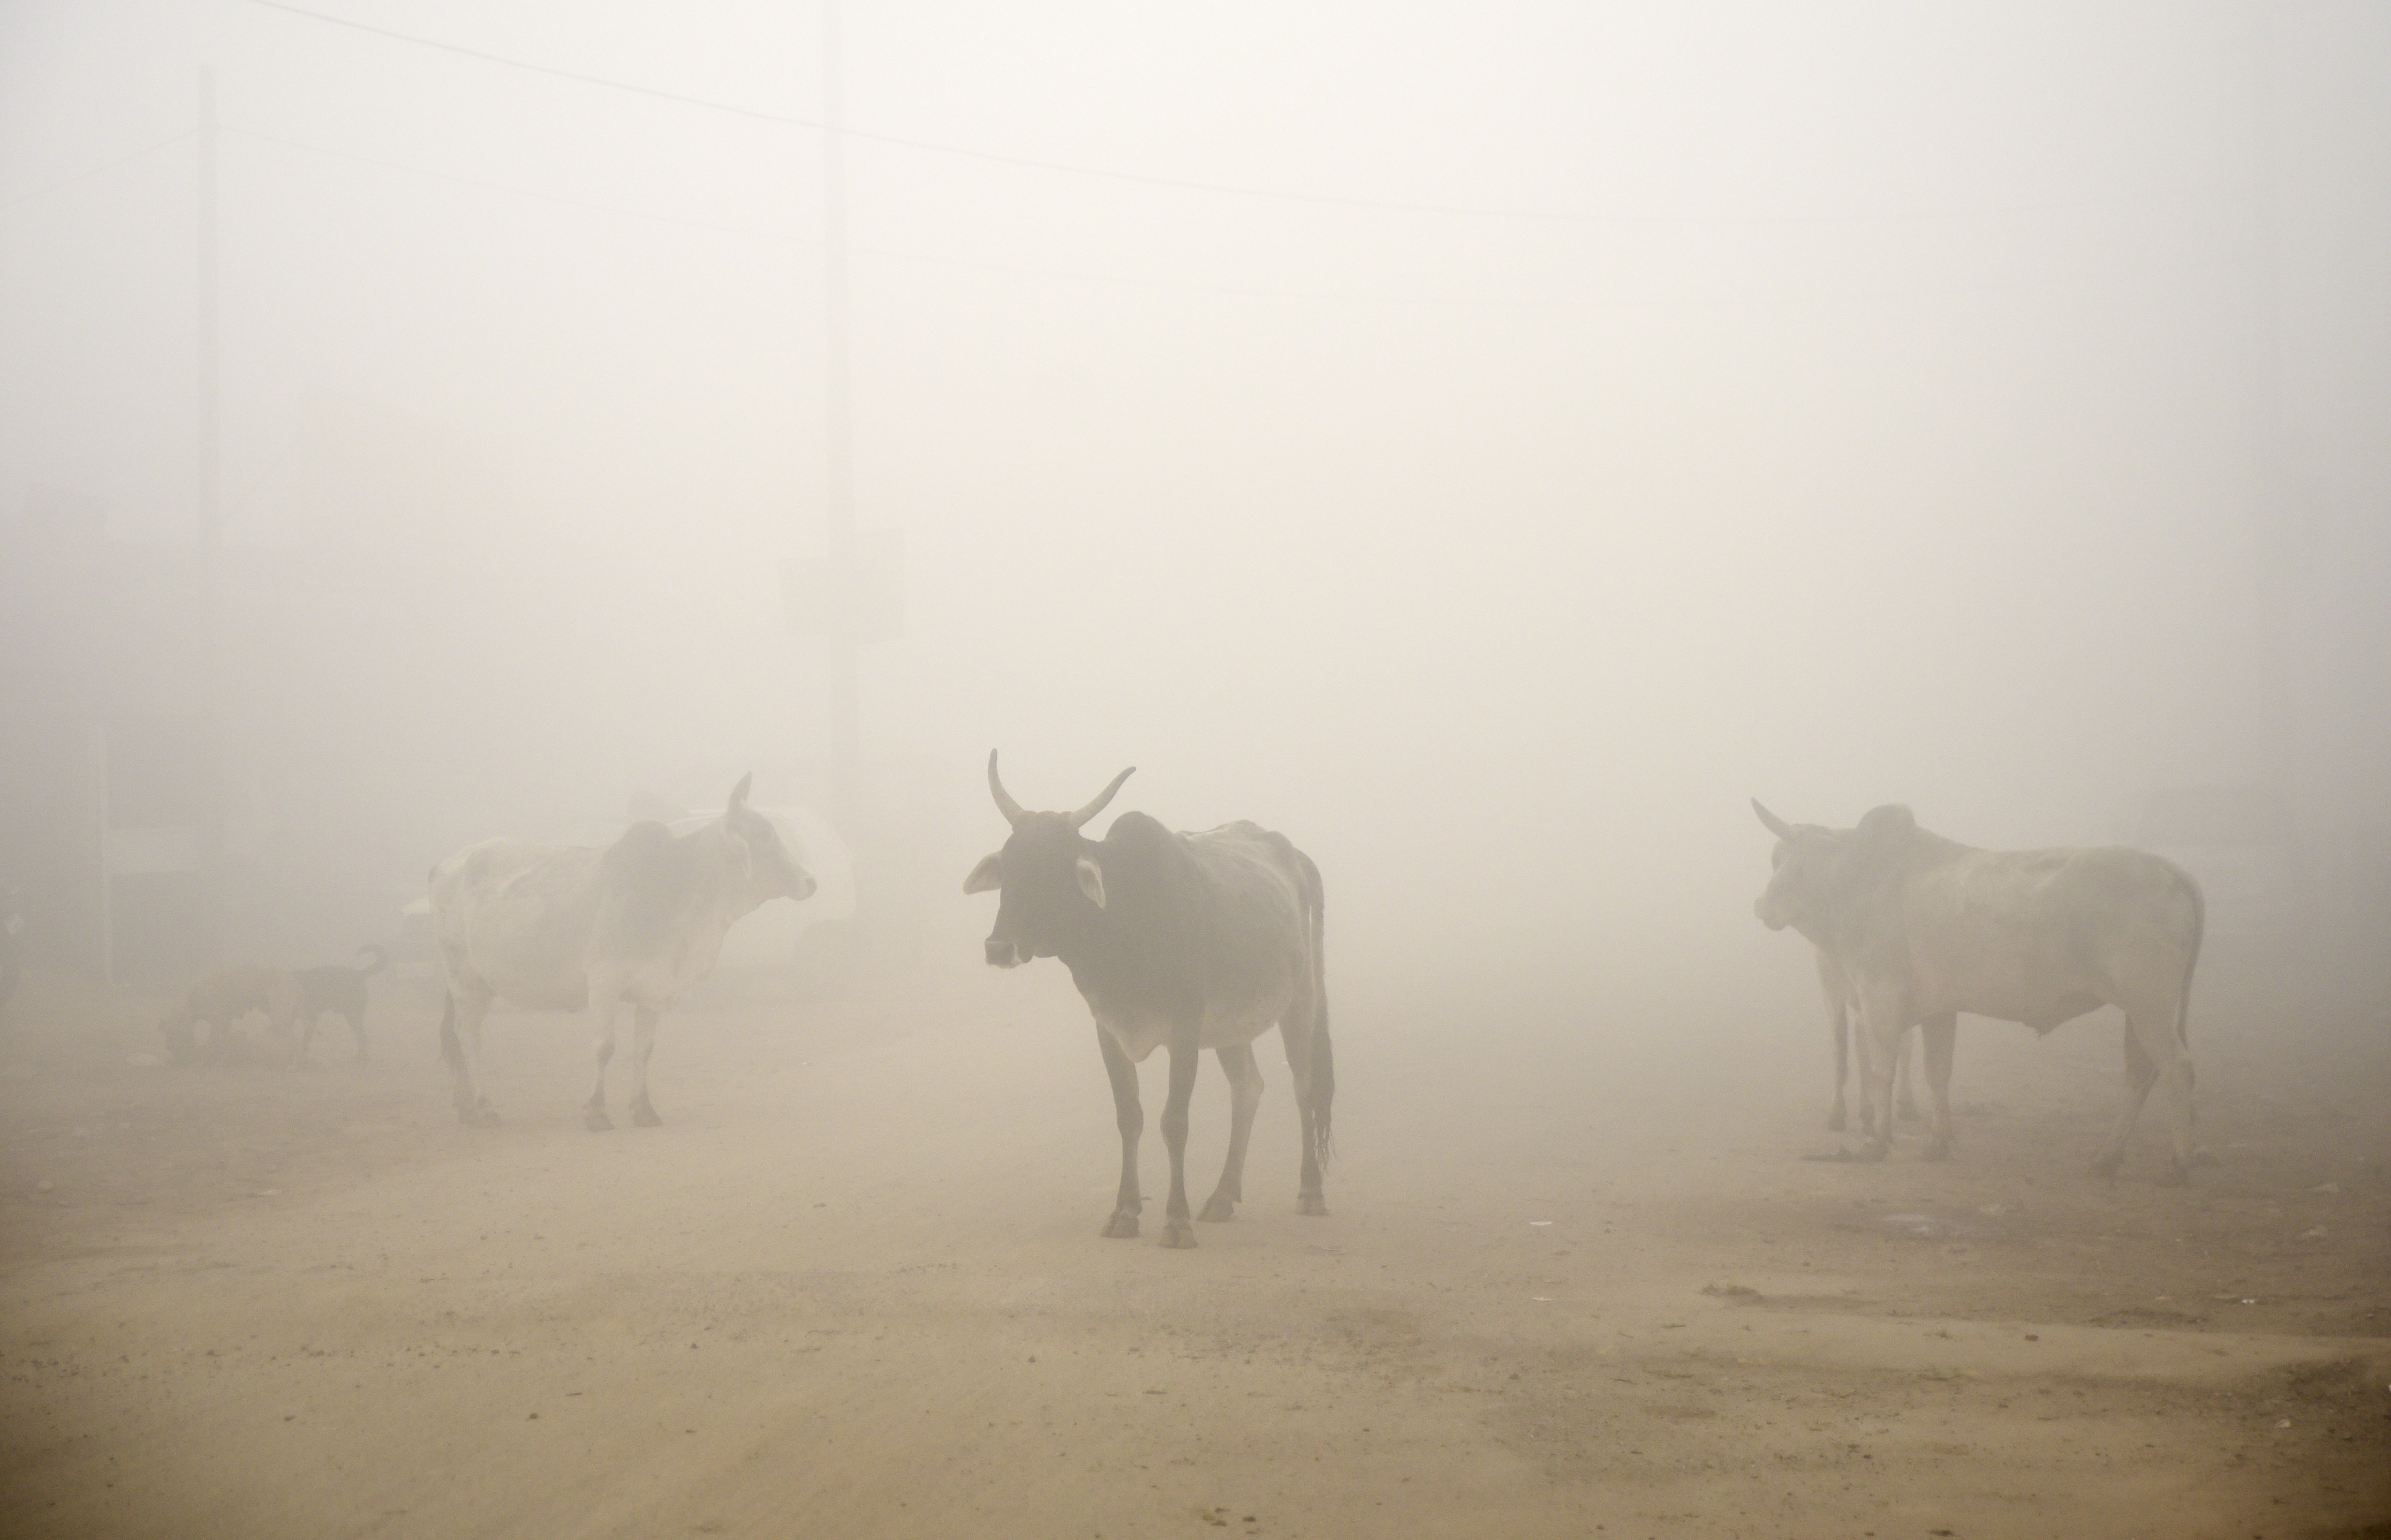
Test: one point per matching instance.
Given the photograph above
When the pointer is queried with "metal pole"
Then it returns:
(210, 540)
(2274, 538)
(839, 502)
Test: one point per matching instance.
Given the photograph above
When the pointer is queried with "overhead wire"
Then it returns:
(97, 170)
(494, 187)
(1222, 188)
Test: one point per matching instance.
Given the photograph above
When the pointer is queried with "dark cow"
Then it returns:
(1177, 941)
(1925, 927)
(559, 928)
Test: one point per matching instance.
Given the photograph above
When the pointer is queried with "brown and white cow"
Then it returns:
(1926, 928)
(559, 928)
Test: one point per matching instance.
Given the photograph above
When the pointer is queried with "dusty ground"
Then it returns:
(854, 1287)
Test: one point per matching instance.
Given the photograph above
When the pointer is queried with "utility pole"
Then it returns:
(839, 506)
(210, 534)
(2275, 533)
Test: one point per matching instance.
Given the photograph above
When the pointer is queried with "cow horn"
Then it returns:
(1776, 825)
(1092, 809)
(1004, 803)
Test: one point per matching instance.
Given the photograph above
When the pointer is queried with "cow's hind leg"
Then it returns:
(1129, 1117)
(1186, 1056)
(1838, 1022)
(1939, 1034)
(1905, 1091)
(460, 1044)
(604, 1004)
(643, 1043)
(1244, 1095)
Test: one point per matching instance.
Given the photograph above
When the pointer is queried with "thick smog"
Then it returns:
(886, 769)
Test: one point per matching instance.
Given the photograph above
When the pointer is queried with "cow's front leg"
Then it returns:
(603, 1005)
(1880, 1019)
(1130, 1117)
(1244, 1095)
(1184, 1057)
(643, 1043)
(1939, 1034)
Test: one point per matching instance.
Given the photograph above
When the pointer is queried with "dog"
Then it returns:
(221, 998)
(341, 990)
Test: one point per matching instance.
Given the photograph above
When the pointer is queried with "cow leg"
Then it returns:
(2154, 1054)
(1186, 1056)
(1839, 1023)
(1905, 1097)
(1244, 1095)
(306, 1036)
(1131, 1118)
(1881, 1021)
(2140, 1075)
(1940, 1034)
(643, 1043)
(1301, 1031)
(603, 1004)
(460, 1044)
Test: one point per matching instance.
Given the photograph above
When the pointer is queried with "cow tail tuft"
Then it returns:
(451, 1049)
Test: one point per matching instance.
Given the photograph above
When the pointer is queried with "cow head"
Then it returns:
(1048, 883)
(1819, 871)
(772, 873)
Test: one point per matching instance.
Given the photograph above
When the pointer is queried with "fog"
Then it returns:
(1489, 446)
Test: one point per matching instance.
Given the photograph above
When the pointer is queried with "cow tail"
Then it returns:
(1324, 1055)
(381, 960)
(451, 1049)
(2191, 963)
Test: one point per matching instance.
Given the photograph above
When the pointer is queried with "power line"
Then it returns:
(495, 186)
(1228, 189)
(86, 175)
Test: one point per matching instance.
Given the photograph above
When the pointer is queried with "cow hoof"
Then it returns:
(1313, 1204)
(595, 1120)
(645, 1116)
(1217, 1211)
(1179, 1235)
(1123, 1227)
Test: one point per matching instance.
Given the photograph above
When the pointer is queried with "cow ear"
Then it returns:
(986, 876)
(739, 792)
(1091, 880)
(1775, 824)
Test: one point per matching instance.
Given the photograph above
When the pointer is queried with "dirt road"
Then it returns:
(854, 1287)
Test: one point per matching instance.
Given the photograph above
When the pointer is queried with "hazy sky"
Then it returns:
(1585, 417)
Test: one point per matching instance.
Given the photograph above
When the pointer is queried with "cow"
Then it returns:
(1926, 928)
(1184, 942)
(559, 928)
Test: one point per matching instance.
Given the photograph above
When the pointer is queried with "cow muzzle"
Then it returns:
(1002, 954)
(1767, 913)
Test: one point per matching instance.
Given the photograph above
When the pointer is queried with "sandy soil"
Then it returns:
(854, 1287)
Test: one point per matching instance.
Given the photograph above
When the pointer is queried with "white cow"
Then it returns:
(558, 928)
(1926, 928)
